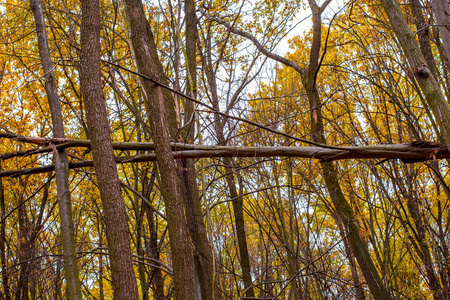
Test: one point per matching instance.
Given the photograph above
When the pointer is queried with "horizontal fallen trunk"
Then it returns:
(409, 153)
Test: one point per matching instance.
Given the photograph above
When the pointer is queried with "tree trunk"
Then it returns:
(359, 291)
(330, 174)
(5, 275)
(140, 249)
(170, 181)
(425, 256)
(186, 167)
(423, 34)
(23, 249)
(420, 235)
(428, 84)
(238, 209)
(61, 160)
(237, 202)
(442, 14)
(152, 247)
(57, 292)
(202, 255)
(101, 289)
(115, 216)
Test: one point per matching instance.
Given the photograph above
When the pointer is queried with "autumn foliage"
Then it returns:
(264, 150)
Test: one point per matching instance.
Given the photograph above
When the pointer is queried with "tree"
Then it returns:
(61, 159)
(242, 171)
(171, 187)
(115, 216)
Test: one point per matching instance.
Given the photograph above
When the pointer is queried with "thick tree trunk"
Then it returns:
(170, 181)
(428, 84)
(186, 168)
(61, 160)
(115, 216)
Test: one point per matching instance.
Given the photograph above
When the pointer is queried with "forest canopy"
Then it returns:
(225, 150)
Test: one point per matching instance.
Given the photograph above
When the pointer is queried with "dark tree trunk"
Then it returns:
(57, 292)
(170, 181)
(202, 256)
(157, 280)
(424, 253)
(4, 263)
(61, 160)
(423, 35)
(359, 291)
(23, 251)
(115, 216)
(420, 235)
(186, 168)
(239, 222)
(140, 248)
(101, 289)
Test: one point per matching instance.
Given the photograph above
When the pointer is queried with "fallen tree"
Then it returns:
(416, 151)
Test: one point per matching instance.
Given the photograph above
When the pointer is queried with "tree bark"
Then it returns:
(408, 153)
(170, 181)
(428, 84)
(115, 216)
(60, 158)
(186, 167)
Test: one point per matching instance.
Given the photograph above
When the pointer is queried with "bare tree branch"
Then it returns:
(260, 47)
(408, 153)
